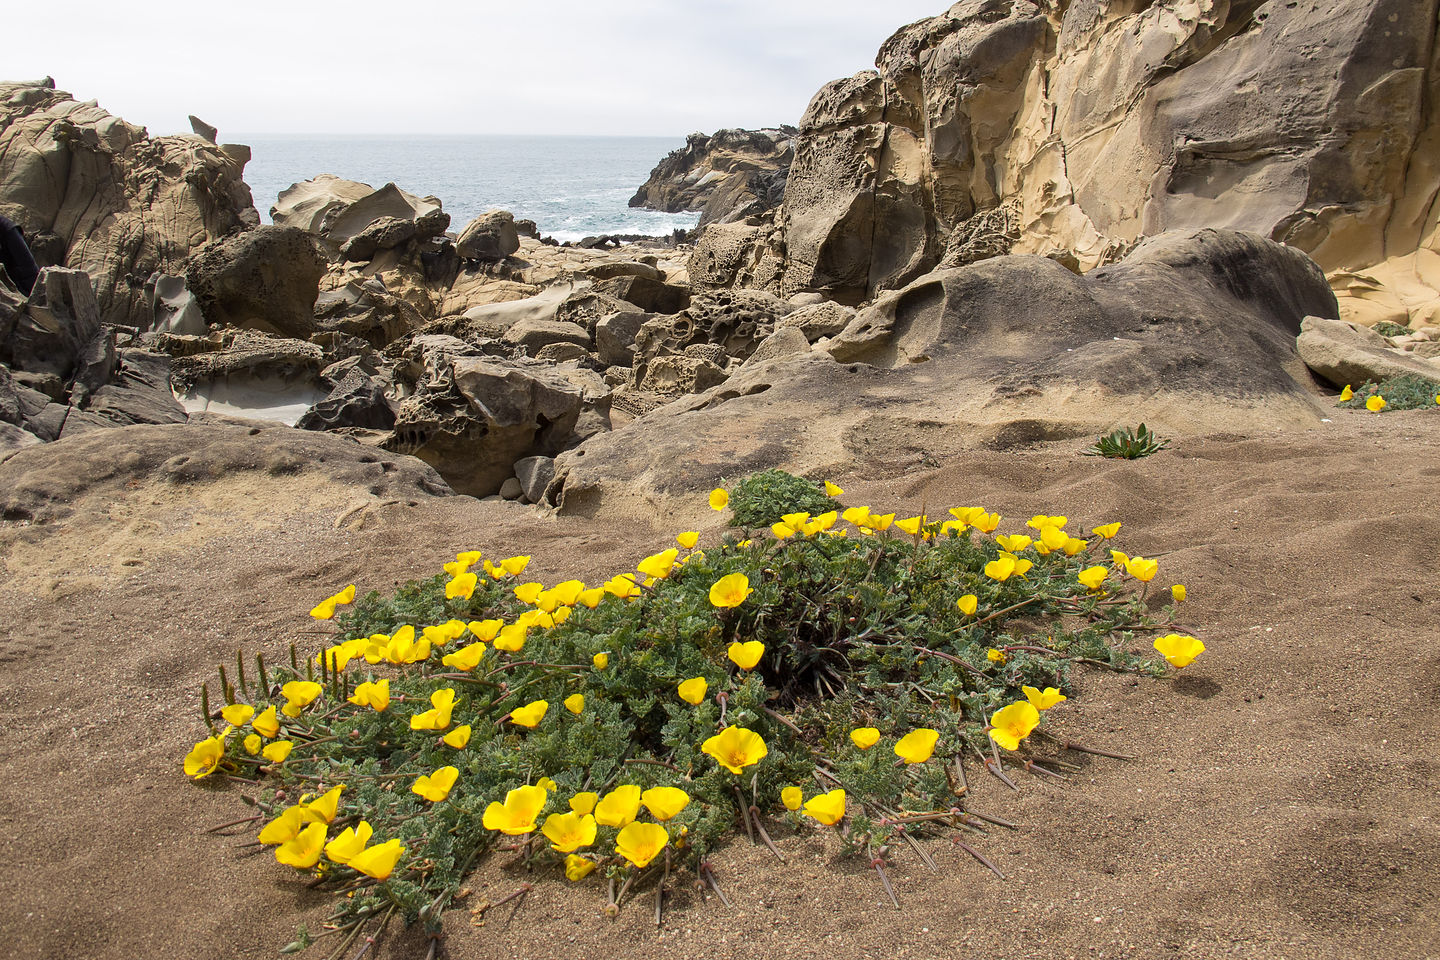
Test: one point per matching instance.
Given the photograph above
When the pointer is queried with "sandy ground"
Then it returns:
(1283, 803)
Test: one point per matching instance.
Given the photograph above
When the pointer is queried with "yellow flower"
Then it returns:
(531, 714)
(518, 813)
(665, 802)
(515, 566)
(791, 797)
(619, 806)
(719, 499)
(529, 592)
(1142, 569)
(202, 760)
(968, 604)
(325, 609)
(298, 695)
(1053, 537)
(350, 842)
(456, 568)
(252, 744)
(917, 745)
(466, 658)
(822, 523)
(485, 630)
(1375, 404)
(568, 832)
(1009, 725)
(1013, 542)
(468, 557)
(285, 827)
(1001, 568)
(622, 586)
(693, 690)
(575, 703)
(831, 490)
(458, 737)
(985, 522)
(782, 530)
(437, 718)
(828, 808)
(1041, 521)
(641, 842)
(401, 647)
(340, 655)
(881, 522)
(436, 786)
(1180, 650)
(1042, 699)
(746, 655)
(1092, 577)
(911, 525)
(1074, 545)
(511, 637)
(577, 868)
(568, 591)
(379, 860)
(1346, 394)
(1118, 558)
(736, 748)
(303, 851)
(546, 784)
(591, 598)
(658, 565)
(688, 539)
(278, 751)
(462, 587)
(266, 724)
(864, 737)
(859, 516)
(601, 660)
(325, 806)
(583, 803)
(1178, 592)
(730, 590)
(237, 714)
(995, 656)
(374, 694)
(1107, 531)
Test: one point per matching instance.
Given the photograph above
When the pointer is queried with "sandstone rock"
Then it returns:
(489, 237)
(820, 320)
(562, 353)
(1344, 354)
(365, 309)
(356, 401)
(106, 198)
(265, 279)
(589, 306)
(541, 307)
(511, 489)
(672, 375)
(534, 475)
(383, 233)
(784, 342)
(173, 308)
(652, 296)
(255, 375)
(306, 204)
(341, 223)
(203, 130)
(54, 330)
(728, 176)
(615, 336)
(609, 270)
(532, 334)
(138, 392)
(13, 439)
(735, 320)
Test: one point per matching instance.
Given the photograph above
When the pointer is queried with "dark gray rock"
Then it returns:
(490, 237)
(56, 327)
(265, 279)
(384, 233)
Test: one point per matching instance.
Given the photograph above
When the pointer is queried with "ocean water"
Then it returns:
(572, 187)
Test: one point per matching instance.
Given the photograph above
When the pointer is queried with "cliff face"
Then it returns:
(1076, 127)
(727, 176)
(95, 193)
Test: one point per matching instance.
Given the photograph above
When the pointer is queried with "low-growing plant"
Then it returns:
(763, 498)
(1387, 329)
(1407, 392)
(1127, 443)
(842, 671)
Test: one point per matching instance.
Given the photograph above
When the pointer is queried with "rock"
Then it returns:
(265, 279)
(673, 375)
(383, 233)
(102, 196)
(489, 237)
(819, 320)
(356, 401)
(1193, 333)
(341, 223)
(608, 270)
(562, 353)
(139, 392)
(532, 334)
(13, 440)
(307, 204)
(527, 228)
(1344, 354)
(729, 175)
(173, 308)
(511, 489)
(541, 307)
(203, 130)
(735, 320)
(365, 309)
(652, 296)
(255, 375)
(588, 306)
(784, 342)
(55, 329)
(534, 475)
(615, 336)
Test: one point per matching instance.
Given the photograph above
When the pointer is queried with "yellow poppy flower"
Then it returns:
(442, 703)
(568, 832)
(658, 565)
(1009, 725)
(456, 568)
(1107, 530)
(1092, 577)
(622, 586)
(1043, 699)
(266, 723)
(303, 851)
(511, 637)
(546, 784)
(664, 803)
(514, 566)
(590, 599)
(277, 752)
(719, 499)
(518, 813)
(462, 587)
(378, 861)
(1041, 521)
(1180, 650)
(458, 737)
(968, 604)
(583, 803)
(736, 748)
(436, 786)
(325, 609)
(1178, 592)
(350, 842)
(1346, 394)
(1001, 568)
(881, 522)
(619, 806)
(1014, 543)
(828, 808)
(601, 660)
(1074, 545)
(864, 737)
(995, 656)
(911, 525)
(831, 490)
(1375, 404)
(325, 806)
(1053, 537)
(782, 531)
(791, 797)
(298, 695)
(206, 755)
(1142, 569)
(859, 516)
(575, 703)
(252, 744)
(577, 868)
(693, 690)
(285, 827)
(917, 745)
(237, 714)
(986, 522)
(823, 522)
(531, 714)
(466, 658)
(688, 539)
(373, 694)
(528, 593)
(1118, 558)
(641, 842)
(746, 655)
(730, 590)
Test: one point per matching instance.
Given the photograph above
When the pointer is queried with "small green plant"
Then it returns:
(763, 498)
(1387, 329)
(1409, 392)
(1127, 443)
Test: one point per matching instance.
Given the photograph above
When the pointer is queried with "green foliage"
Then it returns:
(1127, 443)
(1387, 329)
(1408, 392)
(763, 498)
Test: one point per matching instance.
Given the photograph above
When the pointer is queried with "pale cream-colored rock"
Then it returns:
(1344, 354)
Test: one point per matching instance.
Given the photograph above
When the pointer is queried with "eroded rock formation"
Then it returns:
(727, 176)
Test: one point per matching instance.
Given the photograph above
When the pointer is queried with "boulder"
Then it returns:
(534, 475)
(819, 320)
(784, 342)
(307, 204)
(489, 237)
(734, 320)
(562, 353)
(173, 308)
(728, 175)
(610, 269)
(101, 195)
(672, 375)
(57, 328)
(615, 336)
(531, 334)
(265, 279)
(383, 233)
(341, 223)
(138, 392)
(1345, 354)
(652, 296)
(254, 375)
(365, 309)
(357, 401)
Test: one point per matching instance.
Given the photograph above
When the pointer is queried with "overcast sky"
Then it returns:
(639, 67)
